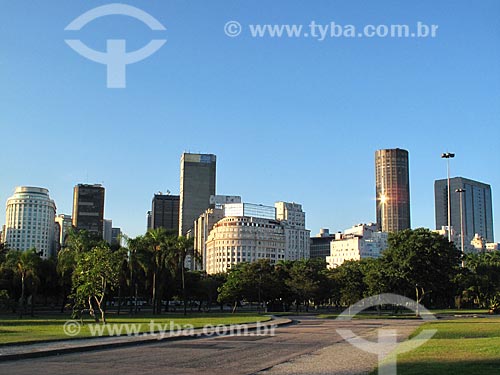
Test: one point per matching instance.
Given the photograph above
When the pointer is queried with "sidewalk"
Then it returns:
(16, 352)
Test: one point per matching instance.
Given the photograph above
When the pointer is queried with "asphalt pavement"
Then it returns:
(311, 346)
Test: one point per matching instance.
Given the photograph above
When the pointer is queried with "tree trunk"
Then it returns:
(64, 299)
(22, 301)
(119, 300)
(99, 305)
(153, 302)
(184, 289)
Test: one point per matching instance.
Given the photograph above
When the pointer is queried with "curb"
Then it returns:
(149, 339)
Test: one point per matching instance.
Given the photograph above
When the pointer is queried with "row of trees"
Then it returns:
(419, 264)
(88, 274)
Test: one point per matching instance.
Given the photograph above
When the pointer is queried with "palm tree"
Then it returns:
(158, 244)
(134, 246)
(183, 247)
(65, 266)
(25, 263)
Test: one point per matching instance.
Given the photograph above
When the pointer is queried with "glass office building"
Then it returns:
(250, 210)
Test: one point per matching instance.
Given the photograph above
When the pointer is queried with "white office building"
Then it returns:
(360, 241)
(30, 221)
(297, 237)
(236, 239)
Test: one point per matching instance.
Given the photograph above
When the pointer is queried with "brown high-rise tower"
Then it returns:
(392, 190)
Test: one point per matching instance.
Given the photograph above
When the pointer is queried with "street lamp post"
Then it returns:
(448, 156)
(461, 191)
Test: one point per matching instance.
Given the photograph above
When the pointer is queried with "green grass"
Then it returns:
(405, 314)
(15, 330)
(460, 311)
(463, 346)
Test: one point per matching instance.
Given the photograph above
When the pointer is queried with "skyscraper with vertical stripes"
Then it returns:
(392, 188)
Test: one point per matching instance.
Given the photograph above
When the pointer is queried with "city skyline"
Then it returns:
(310, 217)
(304, 108)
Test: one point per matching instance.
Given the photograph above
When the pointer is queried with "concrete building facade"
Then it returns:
(63, 225)
(297, 237)
(360, 241)
(392, 189)
(197, 184)
(243, 239)
(30, 221)
(202, 227)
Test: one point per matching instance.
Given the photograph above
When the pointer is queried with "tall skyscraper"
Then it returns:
(392, 187)
(165, 212)
(477, 207)
(88, 208)
(30, 221)
(197, 185)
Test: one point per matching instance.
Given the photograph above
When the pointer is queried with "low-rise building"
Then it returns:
(320, 244)
(360, 241)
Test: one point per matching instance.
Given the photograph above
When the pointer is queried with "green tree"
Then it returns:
(253, 282)
(307, 281)
(25, 264)
(349, 277)
(4, 249)
(96, 273)
(181, 250)
(479, 281)
(81, 241)
(420, 262)
(48, 279)
(156, 248)
(66, 261)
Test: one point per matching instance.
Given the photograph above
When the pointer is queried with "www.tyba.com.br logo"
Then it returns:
(116, 57)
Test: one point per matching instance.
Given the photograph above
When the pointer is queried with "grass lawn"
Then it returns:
(462, 346)
(405, 314)
(15, 330)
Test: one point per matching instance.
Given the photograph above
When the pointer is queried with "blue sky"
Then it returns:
(289, 119)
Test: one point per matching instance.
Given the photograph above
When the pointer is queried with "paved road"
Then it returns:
(310, 347)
